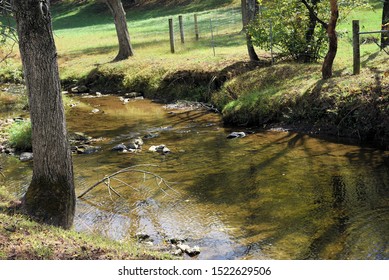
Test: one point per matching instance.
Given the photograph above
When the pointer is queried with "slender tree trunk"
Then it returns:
(119, 16)
(249, 12)
(309, 36)
(385, 24)
(50, 198)
(333, 41)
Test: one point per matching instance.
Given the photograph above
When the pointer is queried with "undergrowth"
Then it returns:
(20, 137)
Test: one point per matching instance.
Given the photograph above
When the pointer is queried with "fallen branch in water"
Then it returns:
(107, 180)
(110, 188)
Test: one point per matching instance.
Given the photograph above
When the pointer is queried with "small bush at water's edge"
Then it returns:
(20, 136)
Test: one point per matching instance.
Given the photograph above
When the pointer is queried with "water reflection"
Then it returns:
(278, 195)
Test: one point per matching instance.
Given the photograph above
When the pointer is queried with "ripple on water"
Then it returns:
(367, 235)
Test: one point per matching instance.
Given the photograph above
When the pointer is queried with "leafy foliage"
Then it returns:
(8, 37)
(289, 28)
(20, 136)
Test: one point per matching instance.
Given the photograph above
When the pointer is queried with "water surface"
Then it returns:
(271, 195)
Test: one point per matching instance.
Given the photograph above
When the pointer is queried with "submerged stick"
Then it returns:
(106, 179)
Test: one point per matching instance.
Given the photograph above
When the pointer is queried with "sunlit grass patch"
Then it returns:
(20, 136)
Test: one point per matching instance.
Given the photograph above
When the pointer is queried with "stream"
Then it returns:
(269, 195)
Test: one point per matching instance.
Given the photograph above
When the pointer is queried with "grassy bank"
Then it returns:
(247, 94)
(23, 239)
(294, 96)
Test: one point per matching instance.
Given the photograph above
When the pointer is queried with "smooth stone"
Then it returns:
(79, 89)
(133, 94)
(26, 156)
(177, 240)
(183, 247)
(236, 135)
(156, 148)
(193, 251)
(132, 145)
(135, 143)
(178, 252)
(120, 147)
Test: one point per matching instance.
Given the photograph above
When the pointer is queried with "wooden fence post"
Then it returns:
(181, 29)
(356, 48)
(171, 33)
(196, 27)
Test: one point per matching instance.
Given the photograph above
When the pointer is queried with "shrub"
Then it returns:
(286, 27)
(20, 136)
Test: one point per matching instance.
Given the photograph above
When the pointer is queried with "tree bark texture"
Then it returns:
(50, 197)
(333, 41)
(385, 24)
(249, 12)
(119, 16)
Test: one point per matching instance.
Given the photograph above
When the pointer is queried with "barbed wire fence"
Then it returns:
(218, 28)
(357, 43)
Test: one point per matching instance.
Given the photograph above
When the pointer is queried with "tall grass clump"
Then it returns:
(20, 136)
(12, 102)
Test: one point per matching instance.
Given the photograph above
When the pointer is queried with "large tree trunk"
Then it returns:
(249, 12)
(119, 15)
(385, 24)
(50, 198)
(333, 41)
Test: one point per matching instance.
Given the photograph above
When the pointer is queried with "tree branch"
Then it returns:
(313, 14)
(106, 180)
(12, 31)
(5, 5)
(8, 54)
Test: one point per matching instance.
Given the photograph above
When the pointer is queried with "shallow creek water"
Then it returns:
(270, 195)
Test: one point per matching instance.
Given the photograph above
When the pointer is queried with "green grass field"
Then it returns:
(86, 41)
(84, 45)
(85, 36)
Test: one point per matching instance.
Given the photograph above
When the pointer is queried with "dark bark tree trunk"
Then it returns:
(385, 24)
(119, 16)
(333, 41)
(309, 36)
(50, 198)
(331, 34)
(249, 12)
